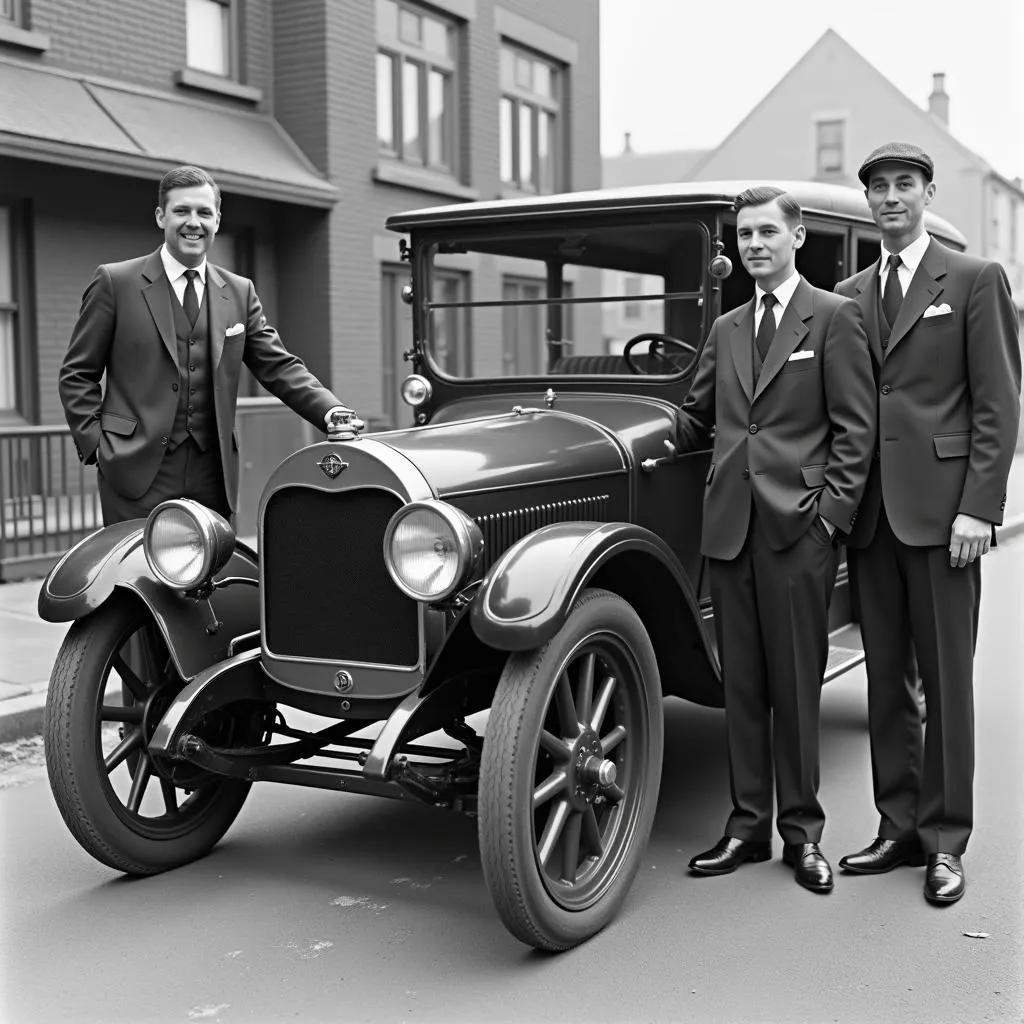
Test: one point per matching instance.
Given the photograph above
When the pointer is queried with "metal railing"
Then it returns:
(48, 499)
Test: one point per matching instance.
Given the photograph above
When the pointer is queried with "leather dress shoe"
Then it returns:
(944, 881)
(884, 855)
(810, 868)
(728, 854)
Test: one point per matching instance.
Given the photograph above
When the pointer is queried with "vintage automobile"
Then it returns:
(483, 610)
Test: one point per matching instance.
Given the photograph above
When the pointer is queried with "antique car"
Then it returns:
(482, 610)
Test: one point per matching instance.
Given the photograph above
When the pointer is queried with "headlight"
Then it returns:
(416, 390)
(186, 543)
(430, 549)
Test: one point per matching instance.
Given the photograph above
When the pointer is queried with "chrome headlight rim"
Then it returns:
(216, 537)
(469, 544)
(412, 381)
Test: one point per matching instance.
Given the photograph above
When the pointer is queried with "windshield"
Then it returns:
(553, 303)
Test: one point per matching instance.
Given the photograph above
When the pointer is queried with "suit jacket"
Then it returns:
(799, 442)
(125, 330)
(949, 388)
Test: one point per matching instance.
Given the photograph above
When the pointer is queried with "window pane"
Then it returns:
(387, 18)
(524, 72)
(545, 152)
(437, 118)
(6, 273)
(412, 147)
(8, 391)
(207, 36)
(507, 128)
(526, 175)
(435, 36)
(409, 27)
(508, 67)
(542, 79)
(385, 102)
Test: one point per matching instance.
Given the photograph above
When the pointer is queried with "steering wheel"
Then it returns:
(656, 350)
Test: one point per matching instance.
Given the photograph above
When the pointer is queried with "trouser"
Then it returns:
(771, 617)
(185, 472)
(911, 596)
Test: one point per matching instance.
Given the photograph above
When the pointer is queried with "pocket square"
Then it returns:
(807, 353)
(234, 329)
(938, 310)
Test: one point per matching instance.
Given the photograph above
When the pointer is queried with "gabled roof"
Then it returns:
(649, 168)
(927, 119)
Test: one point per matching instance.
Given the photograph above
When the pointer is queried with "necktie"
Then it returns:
(892, 294)
(766, 329)
(190, 301)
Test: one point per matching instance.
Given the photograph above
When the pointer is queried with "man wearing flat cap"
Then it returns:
(943, 335)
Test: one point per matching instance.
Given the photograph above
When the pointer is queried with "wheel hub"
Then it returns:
(590, 773)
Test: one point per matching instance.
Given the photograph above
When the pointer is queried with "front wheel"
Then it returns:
(111, 683)
(570, 773)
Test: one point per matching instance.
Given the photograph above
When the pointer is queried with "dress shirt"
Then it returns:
(910, 257)
(175, 272)
(783, 294)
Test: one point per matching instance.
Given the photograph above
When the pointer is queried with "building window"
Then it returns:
(529, 121)
(830, 135)
(210, 37)
(416, 73)
(634, 286)
(10, 10)
(8, 316)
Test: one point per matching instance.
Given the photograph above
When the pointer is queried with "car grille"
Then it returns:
(502, 529)
(326, 591)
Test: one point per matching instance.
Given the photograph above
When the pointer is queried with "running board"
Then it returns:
(845, 651)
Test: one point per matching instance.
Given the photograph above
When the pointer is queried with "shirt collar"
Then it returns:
(782, 294)
(173, 269)
(912, 254)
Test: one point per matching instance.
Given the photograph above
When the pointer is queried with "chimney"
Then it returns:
(938, 102)
(628, 144)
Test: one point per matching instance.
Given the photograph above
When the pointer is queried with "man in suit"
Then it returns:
(786, 381)
(943, 334)
(170, 332)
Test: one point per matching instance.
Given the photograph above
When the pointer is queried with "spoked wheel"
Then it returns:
(570, 773)
(111, 683)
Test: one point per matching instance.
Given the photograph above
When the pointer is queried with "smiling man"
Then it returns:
(150, 380)
(785, 380)
(943, 333)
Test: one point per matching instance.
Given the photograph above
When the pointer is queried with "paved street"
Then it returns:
(322, 907)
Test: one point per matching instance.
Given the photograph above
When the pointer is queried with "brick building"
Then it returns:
(319, 118)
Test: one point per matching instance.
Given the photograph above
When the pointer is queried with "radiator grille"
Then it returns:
(502, 529)
(326, 591)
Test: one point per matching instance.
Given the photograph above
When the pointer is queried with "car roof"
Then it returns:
(813, 196)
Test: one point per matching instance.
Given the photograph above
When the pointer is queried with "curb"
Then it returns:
(22, 717)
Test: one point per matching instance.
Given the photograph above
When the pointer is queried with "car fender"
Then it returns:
(113, 558)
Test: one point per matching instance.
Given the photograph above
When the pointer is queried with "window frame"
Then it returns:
(427, 62)
(26, 398)
(16, 15)
(233, 41)
(821, 146)
(519, 97)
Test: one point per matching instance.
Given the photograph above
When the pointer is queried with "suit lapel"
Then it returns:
(157, 294)
(219, 302)
(791, 331)
(741, 345)
(867, 295)
(924, 289)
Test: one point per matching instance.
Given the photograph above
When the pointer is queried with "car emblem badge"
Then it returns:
(343, 681)
(332, 465)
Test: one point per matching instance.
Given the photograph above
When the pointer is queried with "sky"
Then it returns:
(681, 74)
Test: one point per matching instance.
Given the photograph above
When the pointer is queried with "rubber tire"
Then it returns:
(505, 829)
(74, 764)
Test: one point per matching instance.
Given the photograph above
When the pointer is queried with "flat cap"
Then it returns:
(898, 152)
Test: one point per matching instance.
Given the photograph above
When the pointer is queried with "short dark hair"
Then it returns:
(758, 195)
(184, 177)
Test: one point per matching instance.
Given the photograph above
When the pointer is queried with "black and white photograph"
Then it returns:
(511, 511)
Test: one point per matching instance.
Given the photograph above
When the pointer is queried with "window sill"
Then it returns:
(192, 79)
(392, 172)
(38, 41)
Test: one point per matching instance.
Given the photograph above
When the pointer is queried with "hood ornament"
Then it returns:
(332, 465)
(343, 424)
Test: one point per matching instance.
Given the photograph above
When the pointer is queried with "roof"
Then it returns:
(642, 168)
(78, 120)
(932, 123)
(813, 197)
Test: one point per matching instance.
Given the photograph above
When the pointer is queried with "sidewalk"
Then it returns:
(28, 646)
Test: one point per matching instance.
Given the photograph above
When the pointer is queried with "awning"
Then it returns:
(96, 124)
